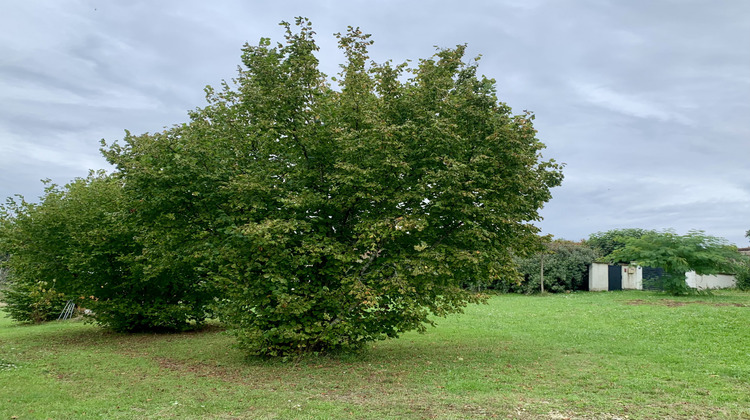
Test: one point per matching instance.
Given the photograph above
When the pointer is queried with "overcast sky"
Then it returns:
(647, 102)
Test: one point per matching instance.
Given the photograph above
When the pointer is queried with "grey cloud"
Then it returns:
(640, 98)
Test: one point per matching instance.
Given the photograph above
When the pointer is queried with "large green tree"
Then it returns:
(331, 216)
(678, 254)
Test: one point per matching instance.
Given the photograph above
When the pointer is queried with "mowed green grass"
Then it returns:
(581, 355)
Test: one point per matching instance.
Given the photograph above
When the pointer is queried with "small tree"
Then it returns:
(333, 216)
(678, 254)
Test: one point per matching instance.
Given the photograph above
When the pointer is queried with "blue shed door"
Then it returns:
(615, 277)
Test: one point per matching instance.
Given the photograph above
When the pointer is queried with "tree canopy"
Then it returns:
(605, 243)
(316, 213)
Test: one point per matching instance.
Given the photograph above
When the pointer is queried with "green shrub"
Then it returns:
(84, 240)
(566, 266)
(33, 302)
(743, 276)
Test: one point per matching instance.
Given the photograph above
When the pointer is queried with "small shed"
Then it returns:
(604, 277)
(598, 277)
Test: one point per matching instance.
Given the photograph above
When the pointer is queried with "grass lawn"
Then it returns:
(582, 355)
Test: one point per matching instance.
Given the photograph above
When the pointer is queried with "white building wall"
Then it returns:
(632, 277)
(718, 281)
(598, 277)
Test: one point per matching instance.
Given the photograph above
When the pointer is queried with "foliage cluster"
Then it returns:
(3, 271)
(80, 243)
(313, 217)
(605, 243)
(33, 301)
(3, 274)
(565, 263)
(743, 276)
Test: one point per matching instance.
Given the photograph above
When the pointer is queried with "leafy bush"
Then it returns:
(33, 302)
(742, 274)
(82, 239)
(566, 266)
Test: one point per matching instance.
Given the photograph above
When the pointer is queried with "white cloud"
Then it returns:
(627, 104)
(63, 151)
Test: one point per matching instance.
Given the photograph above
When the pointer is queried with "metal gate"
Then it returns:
(652, 278)
(615, 277)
